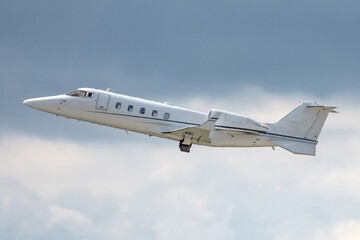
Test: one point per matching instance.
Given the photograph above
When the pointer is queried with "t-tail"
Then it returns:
(299, 130)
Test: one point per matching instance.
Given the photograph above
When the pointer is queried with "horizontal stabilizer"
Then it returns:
(297, 147)
(325, 108)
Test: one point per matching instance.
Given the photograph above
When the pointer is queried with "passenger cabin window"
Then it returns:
(154, 113)
(142, 110)
(166, 116)
(118, 105)
(80, 93)
(130, 108)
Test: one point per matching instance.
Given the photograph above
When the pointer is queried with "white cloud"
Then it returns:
(72, 218)
(345, 229)
(149, 189)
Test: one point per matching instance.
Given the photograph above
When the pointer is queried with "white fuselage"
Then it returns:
(137, 115)
(297, 132)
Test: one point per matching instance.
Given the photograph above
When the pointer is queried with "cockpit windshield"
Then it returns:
(80, 93)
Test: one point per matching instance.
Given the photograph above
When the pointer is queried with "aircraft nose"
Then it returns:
(46, 104)
(36, 103)
(29, 102)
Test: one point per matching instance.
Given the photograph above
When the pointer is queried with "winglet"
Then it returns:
(324, 107)
(210, 122)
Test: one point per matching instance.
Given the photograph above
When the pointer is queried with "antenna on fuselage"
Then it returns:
(109, 90)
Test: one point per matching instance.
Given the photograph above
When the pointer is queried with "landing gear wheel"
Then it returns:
(183, 147)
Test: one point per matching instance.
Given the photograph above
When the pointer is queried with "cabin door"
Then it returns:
(102, 101)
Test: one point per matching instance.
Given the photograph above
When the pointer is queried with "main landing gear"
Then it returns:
(184, 147)
(186, 143)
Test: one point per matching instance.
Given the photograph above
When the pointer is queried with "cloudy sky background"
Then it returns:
(64, 179)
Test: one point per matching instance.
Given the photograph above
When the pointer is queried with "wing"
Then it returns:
(199, 133)
(220, 121)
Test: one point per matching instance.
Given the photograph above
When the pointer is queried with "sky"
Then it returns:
(65, 179)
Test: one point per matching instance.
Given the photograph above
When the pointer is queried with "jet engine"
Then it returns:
(233, 122)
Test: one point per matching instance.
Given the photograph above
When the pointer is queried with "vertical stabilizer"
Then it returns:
(305, 121)
(299, 130)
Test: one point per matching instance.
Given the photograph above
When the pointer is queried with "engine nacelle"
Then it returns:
(228, 121)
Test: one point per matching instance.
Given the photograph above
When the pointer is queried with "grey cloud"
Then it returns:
(171, 49)
(279, 45)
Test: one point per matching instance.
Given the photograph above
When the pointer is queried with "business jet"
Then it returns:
(297, 132)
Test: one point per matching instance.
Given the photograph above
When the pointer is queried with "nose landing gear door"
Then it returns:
(102, 101)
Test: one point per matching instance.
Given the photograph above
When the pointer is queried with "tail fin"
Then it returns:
(303, 125)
